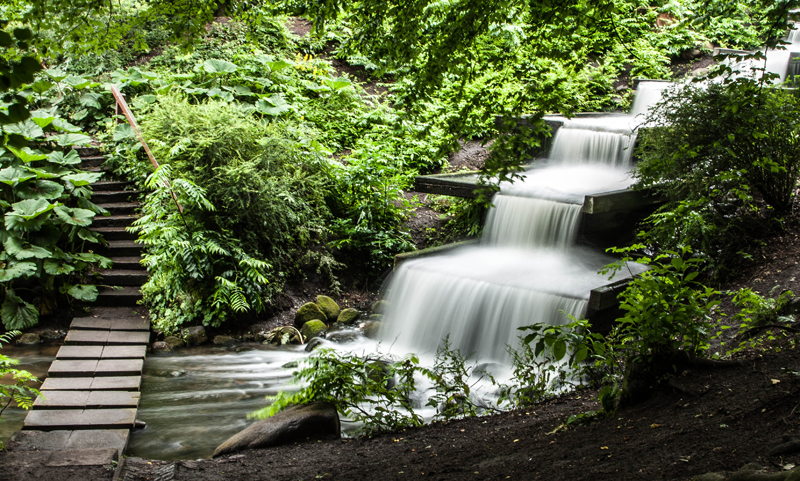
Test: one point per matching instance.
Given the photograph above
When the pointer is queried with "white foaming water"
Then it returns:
(527, 268)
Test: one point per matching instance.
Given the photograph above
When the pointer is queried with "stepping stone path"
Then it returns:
(92, 390)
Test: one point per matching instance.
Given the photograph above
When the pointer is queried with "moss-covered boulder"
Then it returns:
(348, 316)
(173, 342)
(329, 307)
(372, 329)
(380, 307)
(29, 339)
(313, 328)
(308, 312)
(221, 340)
(194, 336)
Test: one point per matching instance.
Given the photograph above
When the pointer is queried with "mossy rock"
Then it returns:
(348, 316)
(313, 328)
(173, 342)
(195, 336)
(380, 307)
(29, 339)
(308, 312)
(329, 307)
(372, 329)
(221, 340)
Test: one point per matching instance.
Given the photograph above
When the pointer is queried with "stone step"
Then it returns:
(101, 312)
(101, 352)
(87, 400)
(109, 324)
(28, 441)
(96, 368)
(58, 458)
(60, 419)
(107, 185)
(96, 337)
(115, 233)
(105, 197)
(127, 296)
(122, 220)
(121, 208)
(119, 248)
(123, 277)
(129, 262)
(92, 160)
(95, 168)
(111, 383)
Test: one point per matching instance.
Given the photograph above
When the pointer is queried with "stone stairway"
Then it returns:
(92, 390)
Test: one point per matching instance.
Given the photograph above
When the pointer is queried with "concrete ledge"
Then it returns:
(432, 251)
(110, 383)
(68, 419)
(61, 458)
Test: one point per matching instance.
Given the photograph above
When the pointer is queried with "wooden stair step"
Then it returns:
(110, 383)
(57, 419)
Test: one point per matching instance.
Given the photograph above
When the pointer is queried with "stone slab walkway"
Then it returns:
(91, 393)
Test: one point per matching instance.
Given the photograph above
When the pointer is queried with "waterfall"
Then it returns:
(527, 268)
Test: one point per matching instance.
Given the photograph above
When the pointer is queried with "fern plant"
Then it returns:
(194, 272)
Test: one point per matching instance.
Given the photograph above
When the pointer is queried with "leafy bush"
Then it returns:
(267, 193)
(18, 391)
(44, 196)
(375, 390)
(726, 158)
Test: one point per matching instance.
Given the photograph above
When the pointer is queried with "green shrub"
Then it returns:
(17, 391)
(268, 194)
(725, 156)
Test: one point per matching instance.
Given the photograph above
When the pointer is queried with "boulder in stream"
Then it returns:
(308, 312)
(329, 307)
(195, 335)
(380, 307)
(29, 339)
(317, 420)
(173, 342)
(348, 316)
(371, 329)
(313, 328)
(223, 340)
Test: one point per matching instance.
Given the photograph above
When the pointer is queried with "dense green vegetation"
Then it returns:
(287, 168)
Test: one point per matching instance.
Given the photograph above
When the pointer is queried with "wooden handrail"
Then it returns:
(126, 111)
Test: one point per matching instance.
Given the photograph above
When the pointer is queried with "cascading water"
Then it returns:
(527, 268)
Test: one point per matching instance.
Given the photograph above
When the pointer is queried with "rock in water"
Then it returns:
(173, 342)
(318, 420)
(348, 316)
(372, 329)
(308, 312)
(223, 340)
(329, 307)
(195, 335)
(380, 307)
(313, 329)
(29, 339)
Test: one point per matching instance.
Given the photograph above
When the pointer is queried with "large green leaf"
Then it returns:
(18, 314)
(215, 92)
(242, 90)
(65, 140)
(14, 175)
(56, 268)
(28, 215)
(215, 66)
(337, 83)
(75, 216)
(83, 178)
(83, 292)
(64, 126)
(22, 250)
(56, 74)
(41, 86)
(28, 129)
(17, 270)
(44, 172)
(40, 189)
(124, 132)
(78, 82)
(277, 66)
(143, 101)
(58, 157)
(27, 154)
(91, 99)
(274, 105)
